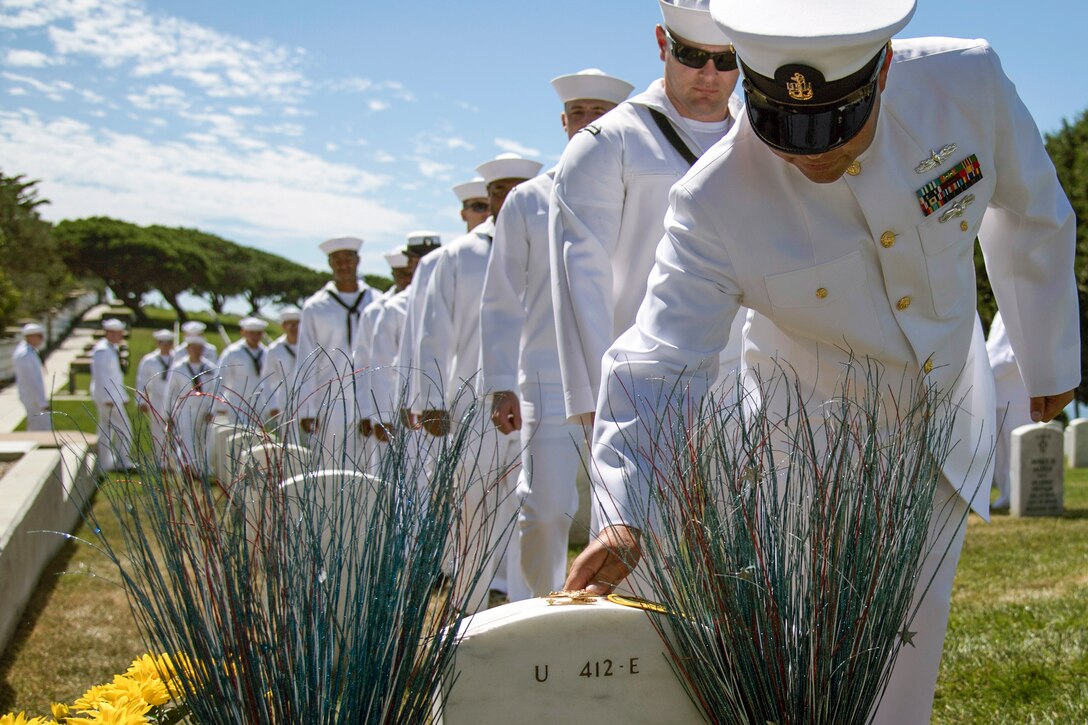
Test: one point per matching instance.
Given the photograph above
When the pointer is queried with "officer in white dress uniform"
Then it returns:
(196, 328)
(109, 396)
(1012, 403)
(244, 396)
(151, 386)
(187, 402)
(475, 210)
(520, 357)
(280, 361)
(868, 170)
(448, 359)
(30, 378)
(611, 193)
(330, 321)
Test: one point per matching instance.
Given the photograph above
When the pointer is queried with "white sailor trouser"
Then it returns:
(547, 486)
(39, 422)
(908, 699)
(487, 477)
(114, 437)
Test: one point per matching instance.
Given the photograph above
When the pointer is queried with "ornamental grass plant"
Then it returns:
(320, 600)
(786, 548)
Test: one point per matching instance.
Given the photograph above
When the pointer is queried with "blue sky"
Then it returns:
(279, 124)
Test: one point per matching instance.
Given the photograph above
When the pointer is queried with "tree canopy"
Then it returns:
(32, 276)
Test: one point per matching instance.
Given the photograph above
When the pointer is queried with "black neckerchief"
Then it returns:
(353, 310)
(255, 358)
(198, 386)
(291, 350)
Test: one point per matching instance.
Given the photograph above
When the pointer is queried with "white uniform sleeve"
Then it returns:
(308, 361)
(584, 226)
(502, 307)
(682, 326)
(1028, 240)
(31, 382)
(385, 379)
(435, 341)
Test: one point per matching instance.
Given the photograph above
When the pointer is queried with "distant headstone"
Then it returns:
(1038, 471)
(1076, 444)
(1056, 425)
(235, 444)
(535, 662)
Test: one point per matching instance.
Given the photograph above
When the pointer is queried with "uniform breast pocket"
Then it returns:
(829, 303)
(949, 249)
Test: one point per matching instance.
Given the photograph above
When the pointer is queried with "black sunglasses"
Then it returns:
(697, 57)
(478, 206)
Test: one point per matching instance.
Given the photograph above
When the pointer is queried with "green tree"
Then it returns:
(228, 271)
(1068, 149)
(125, 256)
(33, 277)
(184, 264)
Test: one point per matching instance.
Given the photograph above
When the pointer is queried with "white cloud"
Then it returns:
(433, 169)
(54, 91)
(459, 143)
(383, 157)
(157, 97)
(124, 34)
(16, 91)
(377, 105)
(512, 146)
(27, 59)
(245, 110)
(276, 197)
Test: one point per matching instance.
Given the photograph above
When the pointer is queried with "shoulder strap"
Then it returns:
(673, 137)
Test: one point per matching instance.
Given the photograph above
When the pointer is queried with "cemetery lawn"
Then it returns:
(1016, 652)
(1017, 646)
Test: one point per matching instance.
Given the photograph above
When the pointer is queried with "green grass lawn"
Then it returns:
(1016, 652)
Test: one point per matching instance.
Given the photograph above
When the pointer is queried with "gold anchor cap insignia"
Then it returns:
(799, 88)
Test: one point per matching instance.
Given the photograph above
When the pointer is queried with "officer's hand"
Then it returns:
(209, 418)
(308, 425)
(435, 421)
(606, 561)
(274, 413)
(381, 432)
(109, 405)
(1045, 407)
(366, 428)
(144, 408)
(506, 411)
(408, 420)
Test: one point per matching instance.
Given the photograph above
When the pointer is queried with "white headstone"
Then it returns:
(235, 444)
(220, 429)
(1056, 425)
(276, 461)
(535, 662)
(1037, 471)
(1076, 443)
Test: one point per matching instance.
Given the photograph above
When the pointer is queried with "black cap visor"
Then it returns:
(807, 130)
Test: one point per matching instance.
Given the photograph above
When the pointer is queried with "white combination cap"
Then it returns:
(429, 239)
(341, 244)
(113, 324)
(32, 328)
(193, 327)
(252, 324)
(835, 37)
(475, 189)
(508, 166)
(591, 84)
(396, 259)
(195, 340)
(290, 314)
(163, 336)
(691, 20)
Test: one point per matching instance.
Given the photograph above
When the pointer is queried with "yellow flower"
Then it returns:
(60, 711)
(21, 719)
(121, 712)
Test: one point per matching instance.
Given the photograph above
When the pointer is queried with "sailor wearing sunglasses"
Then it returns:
(844, 211)
(611, 192)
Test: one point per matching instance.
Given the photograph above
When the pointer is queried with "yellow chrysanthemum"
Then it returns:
(21, 719)
(60, 711)
(122, 712)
